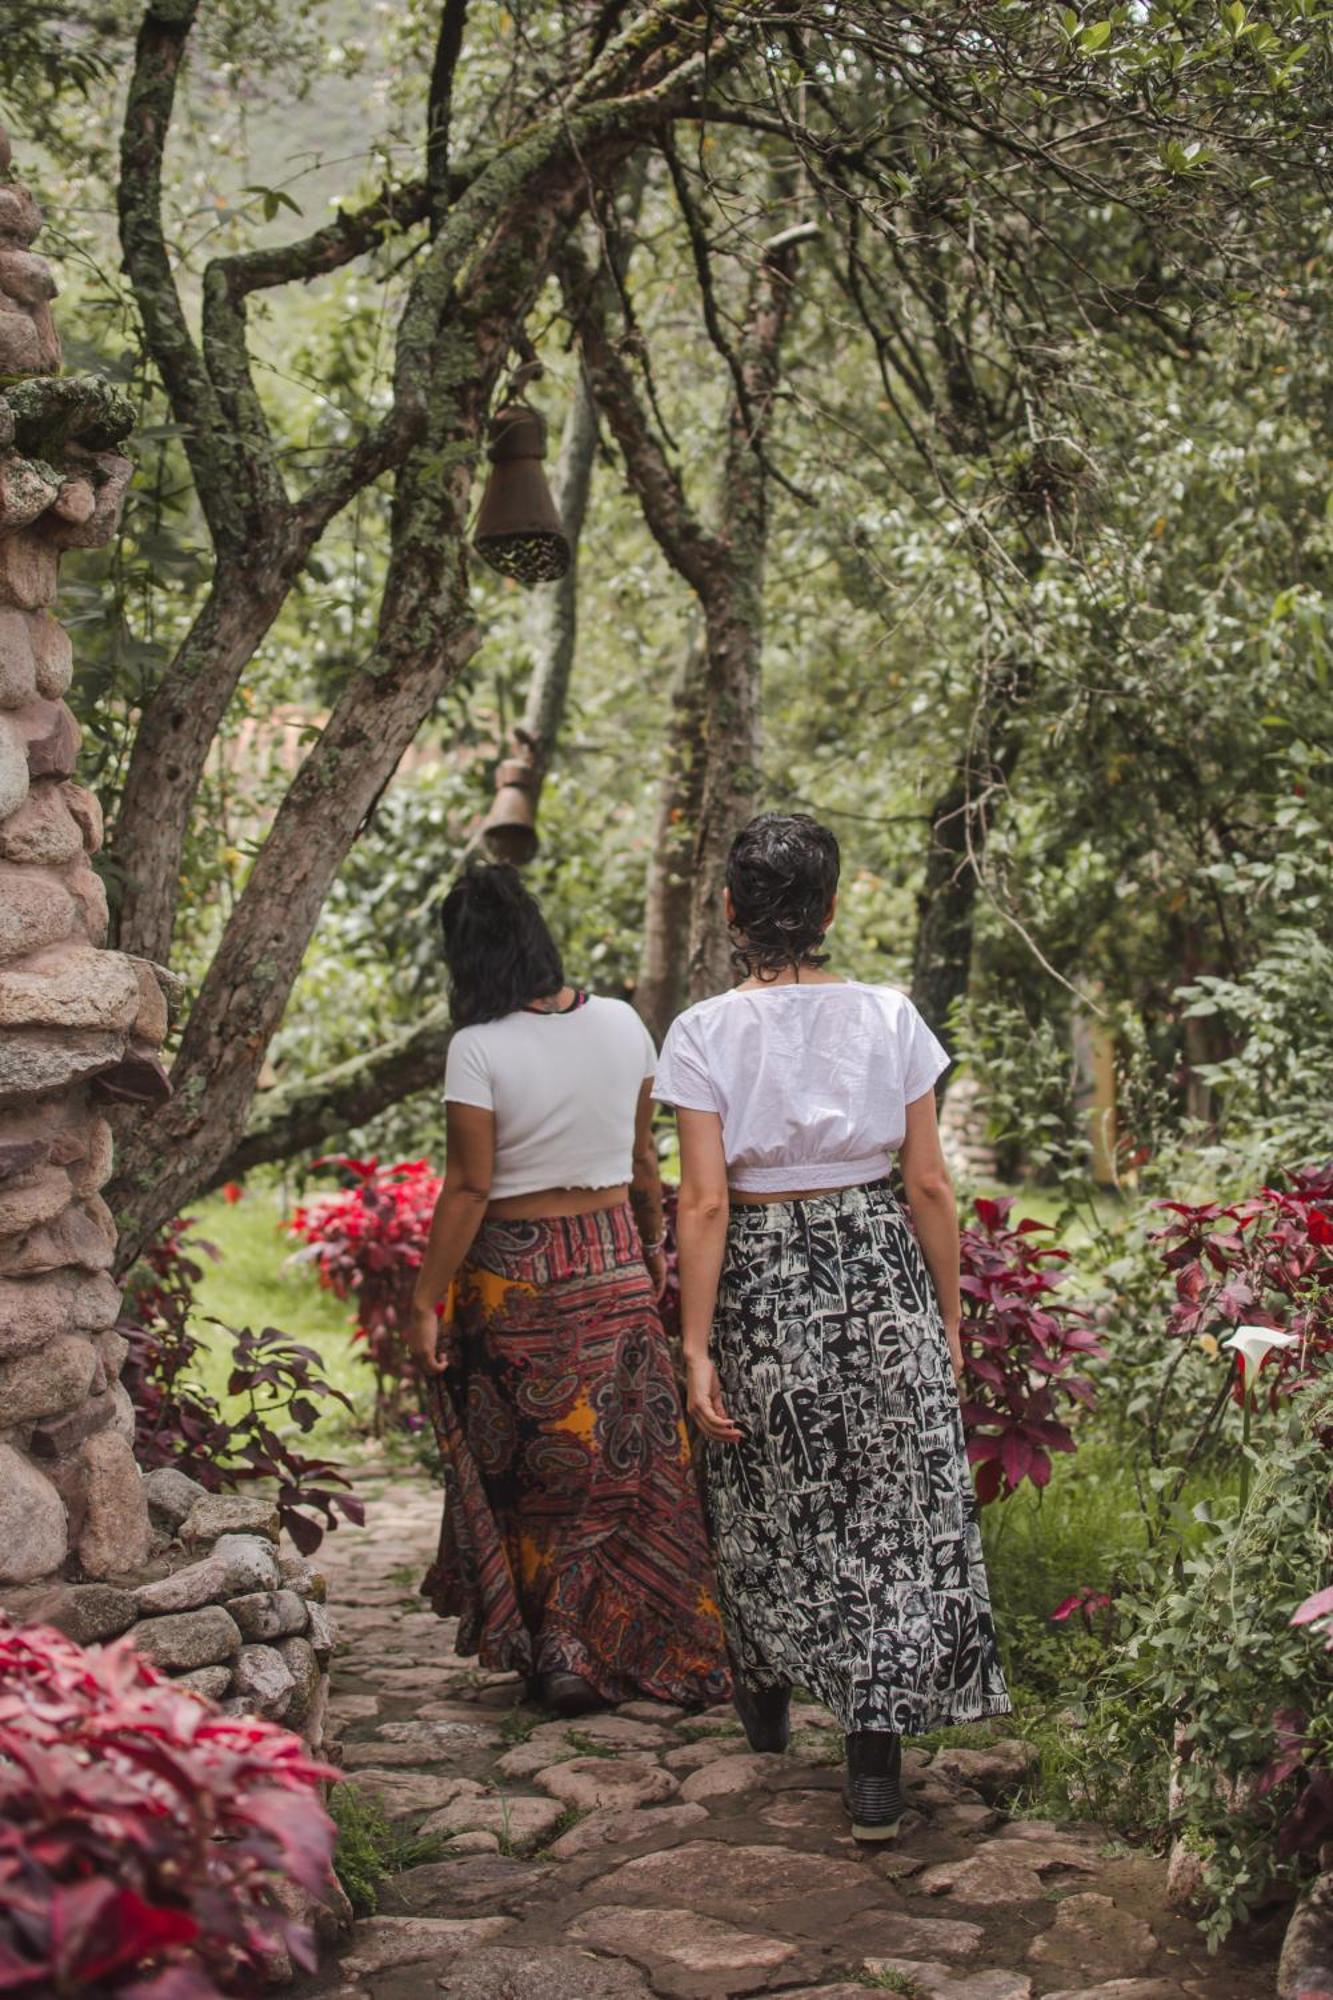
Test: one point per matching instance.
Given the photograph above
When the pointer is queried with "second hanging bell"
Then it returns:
(519, 531)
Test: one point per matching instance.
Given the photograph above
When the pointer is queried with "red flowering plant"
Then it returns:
(367, 1239)
(144, 1836)
(1266, 1261)
(1022, 1350)
(179, 1423)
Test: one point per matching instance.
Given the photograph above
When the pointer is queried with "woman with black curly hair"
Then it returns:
(573, 1547)
(821, 1327)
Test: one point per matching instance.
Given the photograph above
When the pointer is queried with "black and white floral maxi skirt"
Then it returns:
(844, 1524)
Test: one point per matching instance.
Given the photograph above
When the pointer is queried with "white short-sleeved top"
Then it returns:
(564, 1089)
(811, 1082)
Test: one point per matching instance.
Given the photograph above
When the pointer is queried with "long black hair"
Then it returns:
(498, 950)
(783, 874)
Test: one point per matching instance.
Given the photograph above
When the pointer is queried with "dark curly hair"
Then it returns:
(498, 950)
(783, 874)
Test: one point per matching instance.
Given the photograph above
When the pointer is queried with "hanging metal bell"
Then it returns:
(519, 531)
(509, 829)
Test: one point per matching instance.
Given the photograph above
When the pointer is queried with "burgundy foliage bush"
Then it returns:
(143, 1836)
(366, 1239)
(1264, 1261)
(177, 1421)
(1021, 1348)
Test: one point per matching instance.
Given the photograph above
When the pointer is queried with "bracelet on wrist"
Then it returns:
(652, 1249)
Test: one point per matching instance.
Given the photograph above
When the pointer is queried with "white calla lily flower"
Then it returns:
(1252, 1343)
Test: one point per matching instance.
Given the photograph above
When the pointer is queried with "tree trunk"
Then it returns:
(731, 781)
(555, 622)
(177, 728)
(425, 639)
(960, 821)
(733, 604)
(660, 992)
(942, 955)
(555, 617)
(724, 569)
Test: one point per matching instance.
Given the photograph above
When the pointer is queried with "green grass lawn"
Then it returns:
(255, 1283)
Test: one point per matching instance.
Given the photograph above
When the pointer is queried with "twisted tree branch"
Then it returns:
(684, 541)
(297, 1118)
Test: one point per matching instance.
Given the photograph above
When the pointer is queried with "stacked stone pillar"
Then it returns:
(80, 1026)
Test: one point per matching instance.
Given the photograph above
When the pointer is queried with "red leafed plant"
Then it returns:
(1263, 1261)
(366, 1240)
(1021, 1350)
(177, 1421)
(143, 1836)
(1308, 1822)
(1094, 1608)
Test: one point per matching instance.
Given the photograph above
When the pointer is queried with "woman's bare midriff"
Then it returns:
(545, 1202)
(740, 1200)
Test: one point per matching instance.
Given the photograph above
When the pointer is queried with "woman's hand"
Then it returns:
(952, 1325)
(705, 1405)
(657, 1272)
(427, 1341)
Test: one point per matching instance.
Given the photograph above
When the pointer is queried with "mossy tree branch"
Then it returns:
(468, 299)
(296, 1119)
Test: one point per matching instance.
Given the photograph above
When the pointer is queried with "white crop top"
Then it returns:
(812, 1083)
(563, 1088)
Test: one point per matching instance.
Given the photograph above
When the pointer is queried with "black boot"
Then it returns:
(764, 1714)
(568, 1694)
(874, 1783)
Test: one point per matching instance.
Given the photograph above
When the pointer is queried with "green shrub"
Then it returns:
(1209, 1668)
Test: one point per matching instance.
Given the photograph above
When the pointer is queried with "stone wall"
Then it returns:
(79, 1025)
(217, 1606)
(87, 1544)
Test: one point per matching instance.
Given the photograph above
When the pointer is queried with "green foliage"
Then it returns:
(1083, 1531)
(1208, 1664)
(40, 67)
(255, 1282)
(370, 1849)
(1026, 1070)
(1275, 1086)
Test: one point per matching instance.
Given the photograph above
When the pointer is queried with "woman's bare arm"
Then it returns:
(929, 1193)
(469, 1163)
(645, 1190)
(701, 1232)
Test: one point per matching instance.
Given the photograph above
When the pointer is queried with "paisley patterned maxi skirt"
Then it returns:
(844, 1524)
(573, 1538)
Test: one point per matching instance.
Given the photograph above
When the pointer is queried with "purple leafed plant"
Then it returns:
(177, 1421)
(1022, 1351)
(144, 1836)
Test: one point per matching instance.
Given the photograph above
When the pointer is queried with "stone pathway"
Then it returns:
(647, 1853)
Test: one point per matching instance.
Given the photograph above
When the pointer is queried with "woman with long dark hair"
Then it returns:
(572, 1548)
(821, 1327)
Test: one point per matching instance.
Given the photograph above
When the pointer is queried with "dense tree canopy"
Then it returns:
(959, 421)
